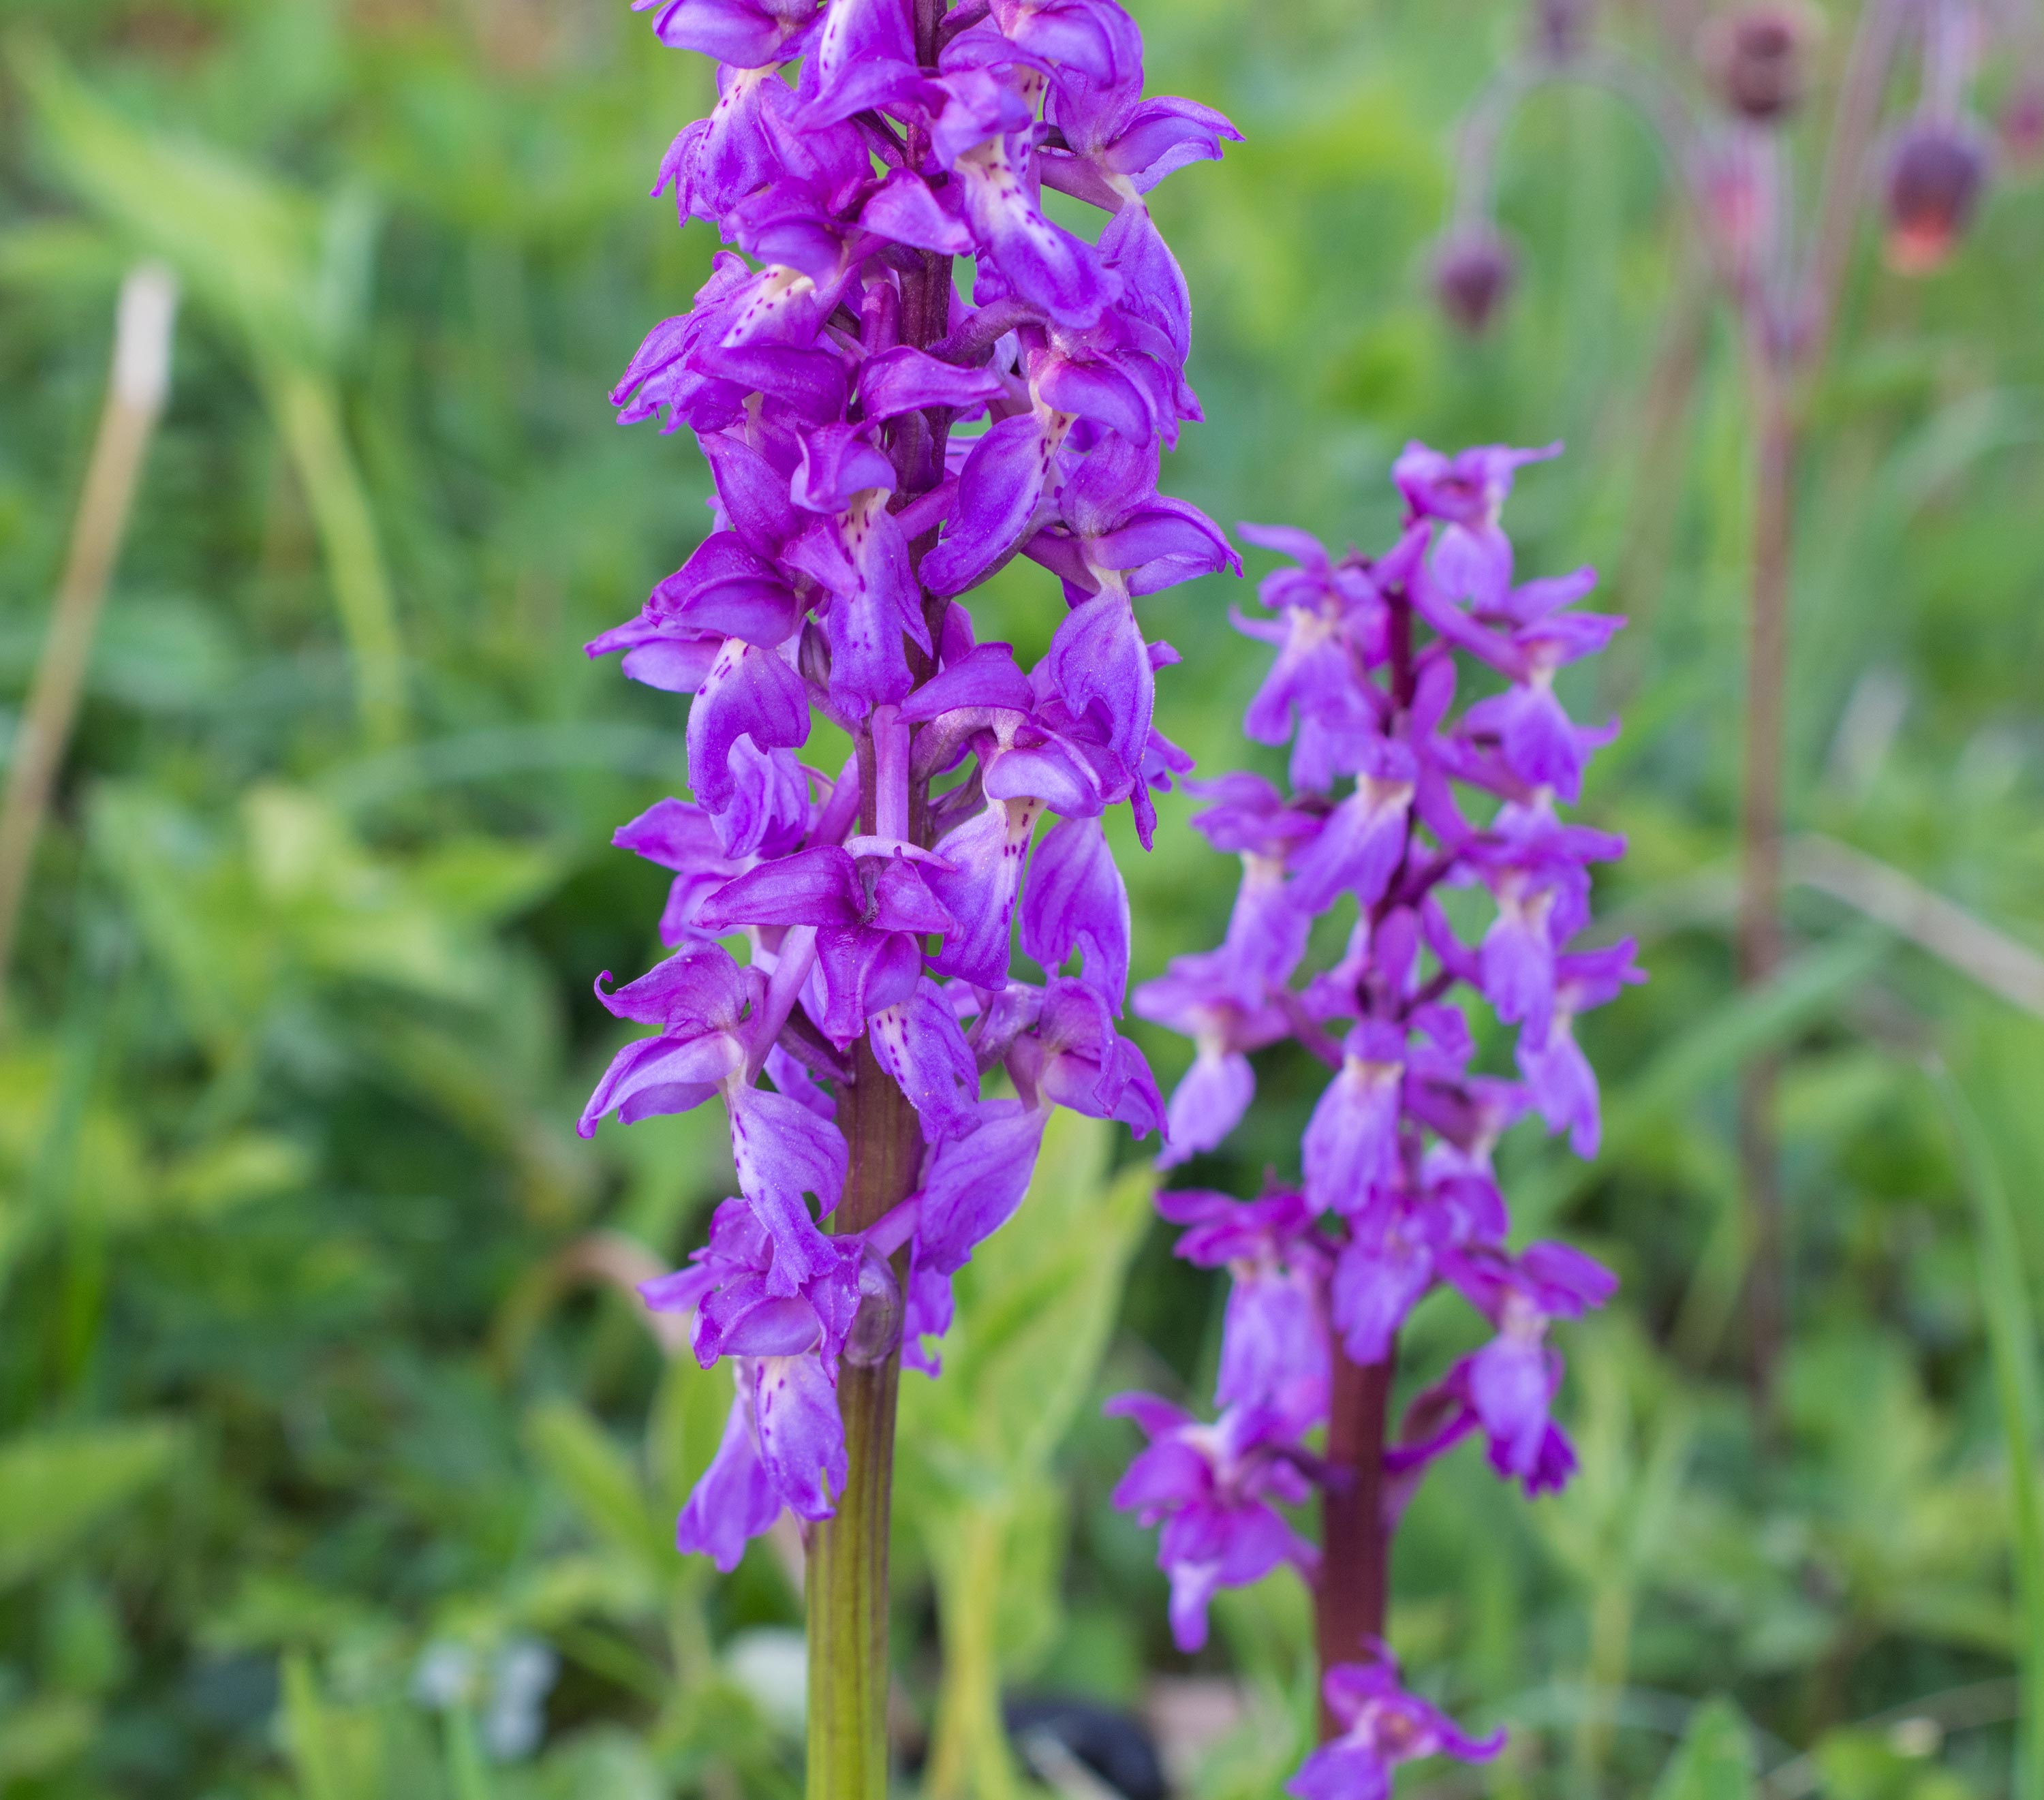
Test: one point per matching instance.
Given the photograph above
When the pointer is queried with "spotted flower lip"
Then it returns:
(878, 441)
(1420, 693)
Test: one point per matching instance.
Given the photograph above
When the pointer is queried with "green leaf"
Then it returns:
(1714, 1760)
(39, 1738)
(598, 1478)
(468, 1775)
(1035, 1308)
(58, 1487)
(687, 1423)
(2011, 1330)
(337, 1752)
(248, 244)
(230, 1171)
(1708, 1052)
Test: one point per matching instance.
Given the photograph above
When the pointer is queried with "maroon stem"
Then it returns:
(1759, 935)
(1855, 119)
(1353, 1589)
(1354, 1584)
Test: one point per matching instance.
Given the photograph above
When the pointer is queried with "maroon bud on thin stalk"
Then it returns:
(1758, 58)
(1936, 169)
(1475, 273)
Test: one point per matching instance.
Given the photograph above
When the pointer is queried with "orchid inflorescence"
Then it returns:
(880, 443)
(1398, 799)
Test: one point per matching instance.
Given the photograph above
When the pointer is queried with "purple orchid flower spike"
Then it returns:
(1399, 794)
(881, 435)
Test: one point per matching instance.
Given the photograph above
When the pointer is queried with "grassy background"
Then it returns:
(327, 1467)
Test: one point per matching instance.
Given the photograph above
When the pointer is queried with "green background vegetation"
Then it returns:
(309, 1377)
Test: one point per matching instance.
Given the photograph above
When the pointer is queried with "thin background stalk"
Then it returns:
(135, 396)
(1759, 929)
(1789, 331)
(1787, 305)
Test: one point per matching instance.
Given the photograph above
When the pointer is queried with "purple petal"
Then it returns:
(976, 1182)
(978, 890)
(1076, 901)
(1351, 1142)
(838, 461)
(801, 1436)
(1208, 1104)
(920, 1044)
(818, 887)
(905, 380)
(780, 1147)
(998, 489)
(1097, 655)
(903, 208)
(657, 1076)
(747, 691)
(738, 31)
(735, 1500)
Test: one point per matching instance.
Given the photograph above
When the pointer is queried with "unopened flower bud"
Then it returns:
(876, 1328)
(812, 655)
(1474, 271)
(1758, 58)
(1936, 169)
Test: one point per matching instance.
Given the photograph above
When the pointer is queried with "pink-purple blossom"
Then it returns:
(1431, 758)
(1378, 1725)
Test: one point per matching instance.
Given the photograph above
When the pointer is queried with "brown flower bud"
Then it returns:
(1936, 169)
(1758, 58)
(1474, 272)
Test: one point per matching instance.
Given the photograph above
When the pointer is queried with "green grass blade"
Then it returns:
(2011, 1328)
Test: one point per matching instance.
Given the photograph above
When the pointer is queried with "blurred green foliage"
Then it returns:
(332, 1463)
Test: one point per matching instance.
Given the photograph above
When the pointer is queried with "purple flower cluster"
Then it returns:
(1399, 798)
(879, 443)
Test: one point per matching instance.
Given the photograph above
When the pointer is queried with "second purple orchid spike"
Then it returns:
(1399, 796)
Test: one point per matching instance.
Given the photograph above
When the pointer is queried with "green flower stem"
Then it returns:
(848, 1600)
(847, 1554)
